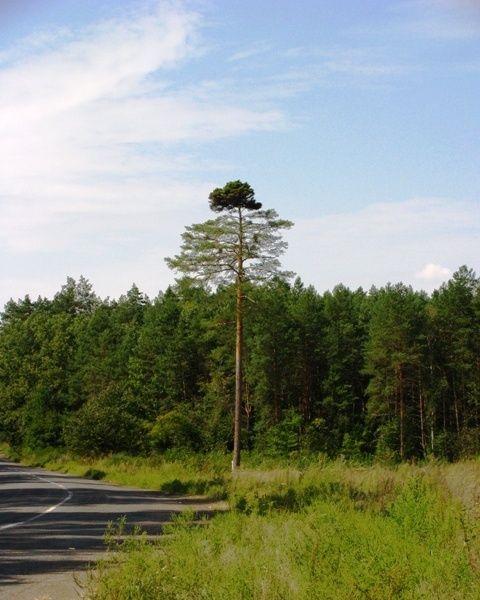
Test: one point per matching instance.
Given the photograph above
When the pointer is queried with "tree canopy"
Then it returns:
(244, 243)
(234, 195)
(385, 373)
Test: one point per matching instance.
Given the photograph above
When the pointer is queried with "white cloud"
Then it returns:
(433, 273)
(88, 127)
(384, 242)
(106, 60)
(93, 167)
(102, 161)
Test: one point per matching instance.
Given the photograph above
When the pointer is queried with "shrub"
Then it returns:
(283, 438)
(174, 429)
(103, 425)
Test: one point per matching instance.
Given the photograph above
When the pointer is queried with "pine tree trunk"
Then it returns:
(455, 406)
(238, 381)
(238, 351)
(276, 395)
(401, 407)
(422, 417)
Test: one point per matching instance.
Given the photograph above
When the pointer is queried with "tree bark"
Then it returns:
(238, 350)
(422, 417)
(455, 405)
(401, 407)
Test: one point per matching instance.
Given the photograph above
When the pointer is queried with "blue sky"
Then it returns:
(359, 121)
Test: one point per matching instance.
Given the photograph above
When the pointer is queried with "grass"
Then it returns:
(297, 530)
(189, 474)
(330, 531)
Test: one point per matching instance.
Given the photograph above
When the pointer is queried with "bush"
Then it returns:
(174, 429)
(42, 426)
(103, 425)
(283, 438)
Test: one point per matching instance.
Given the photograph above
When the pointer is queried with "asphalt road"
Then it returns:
(52, 526)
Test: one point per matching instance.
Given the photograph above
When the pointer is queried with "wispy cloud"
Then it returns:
(254, 50)
(91, 124)
(440, 19)
(102, 148)
(105, 152)
(385, 242)
(340, 67)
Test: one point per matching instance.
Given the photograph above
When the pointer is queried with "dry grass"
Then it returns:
(326, 532)
(463, 482)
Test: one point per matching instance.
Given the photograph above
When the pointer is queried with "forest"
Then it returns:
(391, 373)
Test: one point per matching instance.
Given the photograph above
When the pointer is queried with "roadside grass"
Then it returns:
(373, 533)
(262, 481)
(189, 474)
(306, 528)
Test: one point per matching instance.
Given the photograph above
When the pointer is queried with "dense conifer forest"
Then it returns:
(391, 372)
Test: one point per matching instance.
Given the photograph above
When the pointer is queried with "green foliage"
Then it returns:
(42, 426)
(104, 425)
(95, 474)
(234, 195)
(419, 511)
(352, 447)
(211, 250)
(455, 349)
(175, 429)
(283, 438)
(242, 245)
(395, 361)
(391, 374)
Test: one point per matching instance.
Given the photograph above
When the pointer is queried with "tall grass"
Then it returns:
(329, 531)
(299, 529)
(177, 474)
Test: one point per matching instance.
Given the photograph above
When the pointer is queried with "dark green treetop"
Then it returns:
(234, 195)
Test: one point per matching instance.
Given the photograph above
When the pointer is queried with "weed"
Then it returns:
(329, 532)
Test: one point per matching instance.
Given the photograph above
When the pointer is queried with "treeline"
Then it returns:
(391, 372)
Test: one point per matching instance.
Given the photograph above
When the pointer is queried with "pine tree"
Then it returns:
(242, 244)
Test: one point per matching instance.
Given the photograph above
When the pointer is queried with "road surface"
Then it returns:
(52, 527)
